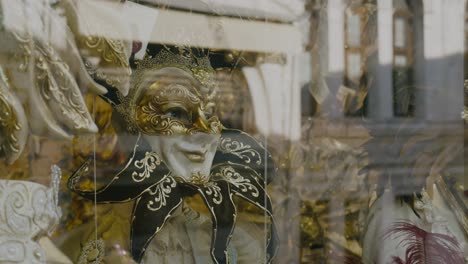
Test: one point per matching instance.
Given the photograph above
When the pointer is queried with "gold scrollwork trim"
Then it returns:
(9, 125)
(148, 164)
(239, 149)
(161, 193)
(214, 191)
(111, 51)
(235, 179)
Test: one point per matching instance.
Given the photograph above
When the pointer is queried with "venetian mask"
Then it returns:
(176, 119)
(181, 149)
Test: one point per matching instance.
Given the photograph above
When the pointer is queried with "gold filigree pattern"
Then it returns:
(213, 190)
(173, 92)
(9, 125)
(53, 88)
(213, 126)
(25, 44)
(153, 123)
(111, 50)
(234, 178)
(155, 86)
(93, 252)
(157, 198)
(55, 82)
(161, 193)
(148, 164)
(239, 149)
(13, 122)
(166, 108)
(206, 79)
(199, 67)
(149, 116)
(198, 179)
(112, 54)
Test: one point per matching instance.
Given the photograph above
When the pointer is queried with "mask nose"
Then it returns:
(201, 123)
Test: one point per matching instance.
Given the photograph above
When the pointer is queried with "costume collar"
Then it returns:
(240, 167)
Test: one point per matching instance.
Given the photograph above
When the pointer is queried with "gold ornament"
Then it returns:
(171, 94)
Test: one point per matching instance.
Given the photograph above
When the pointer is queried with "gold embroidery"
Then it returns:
(214, 191)
(161, 193)
(240, 150)
(213, 126)
(112, 52)
(9, 124)
(54, 82)
(25, 44)
(199, 67)
(155, 86)
(198, 179)
(57, 86)
(148, 164)
(234, 178)
(173, 92)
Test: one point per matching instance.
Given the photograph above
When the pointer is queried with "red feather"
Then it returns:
(423, 247)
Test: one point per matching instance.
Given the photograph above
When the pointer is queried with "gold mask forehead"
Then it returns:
(171, 101)
(189, 75)
(161, 82)
(167, 64)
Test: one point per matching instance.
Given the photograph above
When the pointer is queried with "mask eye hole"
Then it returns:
(209, 111)
(178, 113)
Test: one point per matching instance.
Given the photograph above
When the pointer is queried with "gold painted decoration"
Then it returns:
(161, 193)
(211, 189)
(106, 59)
(50, 77)
(59, 91)
(171, 94)
(148, 164)
(197, 67)
(157, 196)
(13, 122)
(174, 109)
(235, 178)
(113, 66)
(241, 150)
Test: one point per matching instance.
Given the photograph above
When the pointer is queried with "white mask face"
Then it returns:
(186, 155)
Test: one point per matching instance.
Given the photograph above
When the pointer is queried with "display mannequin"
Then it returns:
(179, 151)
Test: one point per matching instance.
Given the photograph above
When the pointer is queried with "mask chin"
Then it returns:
(186, 155)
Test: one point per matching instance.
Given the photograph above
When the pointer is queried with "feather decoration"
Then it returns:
(424, 247)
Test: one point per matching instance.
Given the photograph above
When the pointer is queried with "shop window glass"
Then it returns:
(194, 132)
